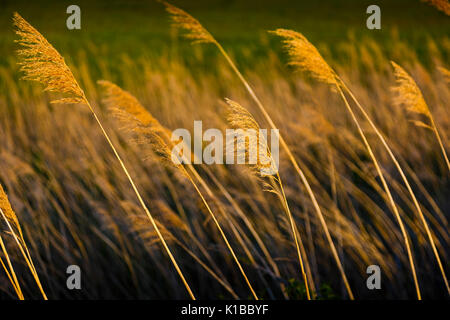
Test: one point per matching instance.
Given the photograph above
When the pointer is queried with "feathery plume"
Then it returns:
(239, 117)
(256, 144)
(194, 31)
(150, 131)
(408, 93)
(304, 56)
(41, 62)
(136, 119)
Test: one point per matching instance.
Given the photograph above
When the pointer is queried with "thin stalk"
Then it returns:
(26, 257)
(438, 137)
(141, 201)
(408, 186)
(237, 231)
(224, 283)
(221, 233)
(296, 166)
(388, 192)
(12, 277)
(294, 233)
(211, 194)
(249, 226)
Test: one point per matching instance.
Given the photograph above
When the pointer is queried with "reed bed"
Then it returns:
(363, 177)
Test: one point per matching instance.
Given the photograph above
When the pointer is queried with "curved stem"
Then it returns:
(294, 234)
(388, 192)
(142, 203)
(438, 137)
(296, 166)
(12, 277)
(408, 186)
(222, 234)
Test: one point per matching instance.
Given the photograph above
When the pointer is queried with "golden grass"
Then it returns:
(408, 94)
(42, 63)
(73, 200)
(284, 146)
(305, 56)
(14, 228)
(151, 133)
(240, 118)
(418, 105)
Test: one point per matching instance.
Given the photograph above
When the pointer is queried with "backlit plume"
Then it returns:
(41, 62)
(304, 56)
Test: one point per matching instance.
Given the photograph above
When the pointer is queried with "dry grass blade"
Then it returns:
(11, 220)
(150, 132)
(151, 238)
(193, 29)
(41, 62)
(311, 61)
(11, 274)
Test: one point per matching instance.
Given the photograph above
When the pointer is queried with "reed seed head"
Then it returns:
(136, 119)
(240, 118)
(305, 57)
(41, 62)
(193, 29)
(407, 93)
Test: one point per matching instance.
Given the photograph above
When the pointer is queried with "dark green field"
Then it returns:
(140, 28)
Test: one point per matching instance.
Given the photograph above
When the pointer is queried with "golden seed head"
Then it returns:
(240, 118)
(192, 27)
(116, 97)
(136, 119)
(407, 93)
(41, 62)
(305, 57)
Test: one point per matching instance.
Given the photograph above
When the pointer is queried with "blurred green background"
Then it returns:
(137, 28)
